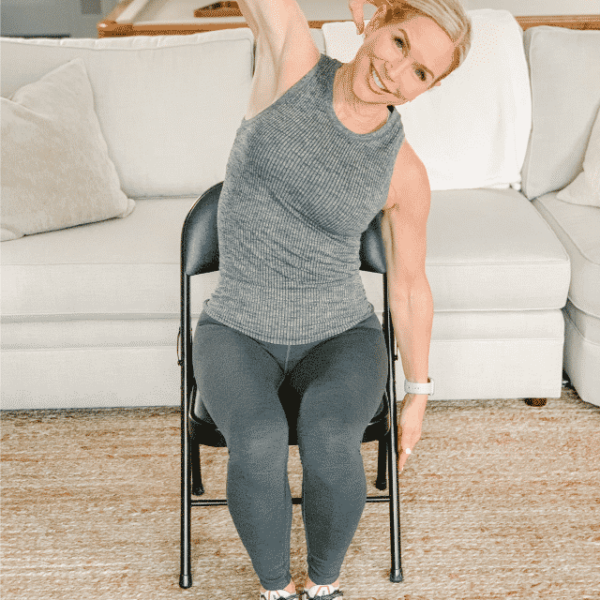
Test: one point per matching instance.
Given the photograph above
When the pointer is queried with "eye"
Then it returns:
(400, 42)
(421, 74)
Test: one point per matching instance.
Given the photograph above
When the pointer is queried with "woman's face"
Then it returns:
(407, 57)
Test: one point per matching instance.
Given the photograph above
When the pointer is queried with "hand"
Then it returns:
(357, 10)
(412, 410)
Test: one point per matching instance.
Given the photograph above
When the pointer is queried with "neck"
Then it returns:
(349, 105)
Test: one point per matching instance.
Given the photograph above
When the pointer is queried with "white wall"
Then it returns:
(53, 17)
(67, 17)
(539, 7)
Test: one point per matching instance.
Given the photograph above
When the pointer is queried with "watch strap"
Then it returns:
(411, 387)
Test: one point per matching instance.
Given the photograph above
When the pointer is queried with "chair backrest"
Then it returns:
(200, 243)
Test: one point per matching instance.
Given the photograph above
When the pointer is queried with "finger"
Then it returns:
(356, 8)
(402, 459)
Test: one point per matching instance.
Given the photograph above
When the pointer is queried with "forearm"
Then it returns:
(412, 318)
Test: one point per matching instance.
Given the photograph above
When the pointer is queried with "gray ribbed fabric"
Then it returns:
(299, 190)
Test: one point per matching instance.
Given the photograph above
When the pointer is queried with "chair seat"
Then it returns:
(203, 429)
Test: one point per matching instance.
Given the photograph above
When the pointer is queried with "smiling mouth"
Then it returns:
(378, 81)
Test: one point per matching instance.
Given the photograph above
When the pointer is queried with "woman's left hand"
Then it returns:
(357, 7)
(412, 411)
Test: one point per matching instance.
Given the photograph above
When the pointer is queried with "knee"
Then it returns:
(259, 443)
(329, 441)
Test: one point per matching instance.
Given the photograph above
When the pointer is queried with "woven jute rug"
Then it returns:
(500, 500)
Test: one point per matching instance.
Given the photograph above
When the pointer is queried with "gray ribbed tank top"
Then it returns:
(299, 190)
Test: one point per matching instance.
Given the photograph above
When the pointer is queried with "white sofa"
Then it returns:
(90, 314)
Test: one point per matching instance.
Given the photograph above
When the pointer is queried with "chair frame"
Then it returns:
(199, 254)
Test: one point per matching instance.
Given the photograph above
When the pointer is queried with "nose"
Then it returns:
(394, 71)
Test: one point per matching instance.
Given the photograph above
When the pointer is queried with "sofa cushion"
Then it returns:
(473, 130)
(488, 250)
(168, 106)
(56, 171)
(114, 269)
(565, 86)
(578, 228)
(585, 189)
(317, 36)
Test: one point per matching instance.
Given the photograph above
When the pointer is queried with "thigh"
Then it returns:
(342, 381)
(238, 380)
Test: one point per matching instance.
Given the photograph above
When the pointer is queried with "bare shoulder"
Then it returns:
(409, 181)
(281, 61)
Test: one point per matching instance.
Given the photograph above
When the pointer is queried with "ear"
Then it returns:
(437, 83)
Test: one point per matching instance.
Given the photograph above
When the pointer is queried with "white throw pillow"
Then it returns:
(473, 130)
(56, 172)
(585, 189)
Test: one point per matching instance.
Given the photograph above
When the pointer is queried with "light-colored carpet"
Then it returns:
(499, 501)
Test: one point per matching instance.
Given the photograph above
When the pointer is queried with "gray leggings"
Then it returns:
(341, 381)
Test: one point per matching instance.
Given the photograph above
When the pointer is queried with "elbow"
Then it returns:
(416, 291)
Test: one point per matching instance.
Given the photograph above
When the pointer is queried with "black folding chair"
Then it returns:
(200, 254)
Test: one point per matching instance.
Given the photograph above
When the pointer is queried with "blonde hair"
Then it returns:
(450, 15)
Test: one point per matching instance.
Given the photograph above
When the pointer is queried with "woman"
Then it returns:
(319, 153)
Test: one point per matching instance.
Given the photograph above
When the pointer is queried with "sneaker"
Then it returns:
(278, 595)
(323, 592)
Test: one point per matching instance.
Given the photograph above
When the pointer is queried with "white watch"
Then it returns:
(419, 388)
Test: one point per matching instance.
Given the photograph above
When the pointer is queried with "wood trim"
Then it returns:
(569, 21)
(110, 28)
(219, 9)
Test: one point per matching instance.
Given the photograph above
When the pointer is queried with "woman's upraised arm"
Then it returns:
(273, 20)
(285, 50)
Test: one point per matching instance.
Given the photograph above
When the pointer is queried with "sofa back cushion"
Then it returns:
(565, 86)
(168, 106)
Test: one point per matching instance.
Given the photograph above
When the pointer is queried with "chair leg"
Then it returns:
(392, 440)
(392, 437)
(381, 482)
(197, 487)
(185, 573)
(396, 571)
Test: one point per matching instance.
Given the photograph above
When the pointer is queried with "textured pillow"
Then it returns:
(56, 172)
(585, 189)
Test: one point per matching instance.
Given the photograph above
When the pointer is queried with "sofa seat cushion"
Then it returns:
(578, 228)
(123, 268)
(587, 325)
(488, 250)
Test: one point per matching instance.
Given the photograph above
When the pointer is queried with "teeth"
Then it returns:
(377, 80)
